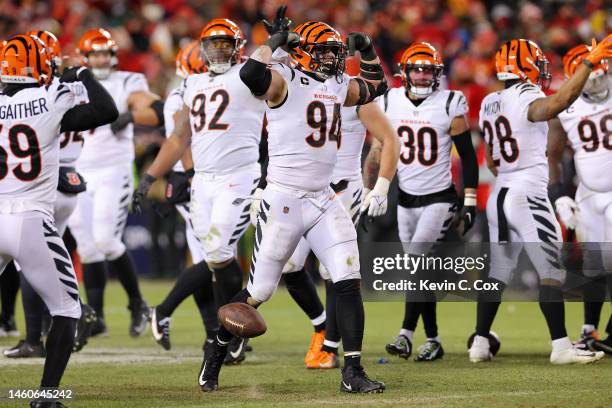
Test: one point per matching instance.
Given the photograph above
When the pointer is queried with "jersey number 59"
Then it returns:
(23, 144)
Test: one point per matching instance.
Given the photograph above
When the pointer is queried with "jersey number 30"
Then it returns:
(23, 144)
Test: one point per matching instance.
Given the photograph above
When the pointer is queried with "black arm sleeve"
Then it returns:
(101, 109)
(256, 76)
(469, 163)
(263, 155)
(158, 108)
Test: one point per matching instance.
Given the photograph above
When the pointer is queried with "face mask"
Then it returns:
(596, 87)
(101, 73)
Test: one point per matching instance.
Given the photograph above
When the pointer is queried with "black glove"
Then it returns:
(122, 121)
(141, 192)
(285, 39)
(467, 215)
(362, 43)
(74, 74)
(280, 23)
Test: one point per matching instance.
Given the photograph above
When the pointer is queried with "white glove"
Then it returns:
(375, 202)
(568, 211)
(255, 204)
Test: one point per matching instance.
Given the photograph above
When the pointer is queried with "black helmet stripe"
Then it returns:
(325, 31)
(305, 26)
(311, 29)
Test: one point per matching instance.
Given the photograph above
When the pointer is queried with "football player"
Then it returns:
(585, 125)
(303, 112)
(226, 122)
(70, 184)
(514, 123)
(105, 162)
(197, 279)
(348, 185)
(33, 113)
(429, 122)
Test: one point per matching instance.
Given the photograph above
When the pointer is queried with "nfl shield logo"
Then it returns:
(285, 210)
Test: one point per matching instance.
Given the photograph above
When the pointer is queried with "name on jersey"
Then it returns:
(326, 97)
(415, 122)
(23, 110)
(492, 108)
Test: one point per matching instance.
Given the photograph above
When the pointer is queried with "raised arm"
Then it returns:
(101, 109)
(544, 109)
(371, 80)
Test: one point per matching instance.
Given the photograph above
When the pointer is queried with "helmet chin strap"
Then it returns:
(101, 73)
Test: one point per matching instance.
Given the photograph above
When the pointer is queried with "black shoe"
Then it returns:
(235, 351)
(46, 404)
(99, 328)
(354, 379)
(139, 312)
(23, 349)
(402, 347)
(211, 366)
(602, 345)
(85, 326)
(160, 327)
(430, 351)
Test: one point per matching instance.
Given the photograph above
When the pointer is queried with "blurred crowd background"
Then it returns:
(467, 32)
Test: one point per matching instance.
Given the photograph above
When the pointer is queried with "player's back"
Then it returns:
(348, 165)
(104, 148)
(304, 132)
(226, 121)
(29, 147)
(71, 143)
(589, 129)
(425, 160)
(518, 146)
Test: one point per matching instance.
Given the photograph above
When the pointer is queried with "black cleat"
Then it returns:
(602, 345)
(208, 343)
(139, 312)
(235, 351)
(355, 380)
(85, 326)
(99, 328)
(402, 347)
(211, 367)
(160, 327)
(23, 349)
(46, 404)
(430, 351)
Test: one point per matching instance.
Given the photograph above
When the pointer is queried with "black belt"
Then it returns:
(407, 200)
(339, 186)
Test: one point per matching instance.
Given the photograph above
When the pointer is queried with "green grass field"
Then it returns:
(119, 371)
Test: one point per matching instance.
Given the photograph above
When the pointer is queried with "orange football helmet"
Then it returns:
(98, 39)
(523, 60)
(25, 61)
(188, 60)
(53, 47)
(222, 44)
(596, 86)
(422, 57)
(321, 51)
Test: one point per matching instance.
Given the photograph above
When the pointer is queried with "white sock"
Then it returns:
(332, 344)
(436, 339)
(407, 333)
(320, 319)
(561, 344)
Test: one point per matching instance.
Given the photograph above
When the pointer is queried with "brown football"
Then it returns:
(242, 320)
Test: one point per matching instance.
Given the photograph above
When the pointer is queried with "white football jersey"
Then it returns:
(425, 159)
(304, 132)
(71, 143)
(105, 149)
(348, 165)
(30, 124)
(173, 104)
(226, 121)
(589, 129)
(517, 144)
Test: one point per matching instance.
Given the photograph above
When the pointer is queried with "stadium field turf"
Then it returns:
(118, 371)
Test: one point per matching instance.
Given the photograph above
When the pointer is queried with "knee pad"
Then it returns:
(262, 293)
(111, 248)
(292, 266)
(89, 252)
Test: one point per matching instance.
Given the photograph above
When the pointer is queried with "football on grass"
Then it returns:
(494, 342)
(242, 320)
